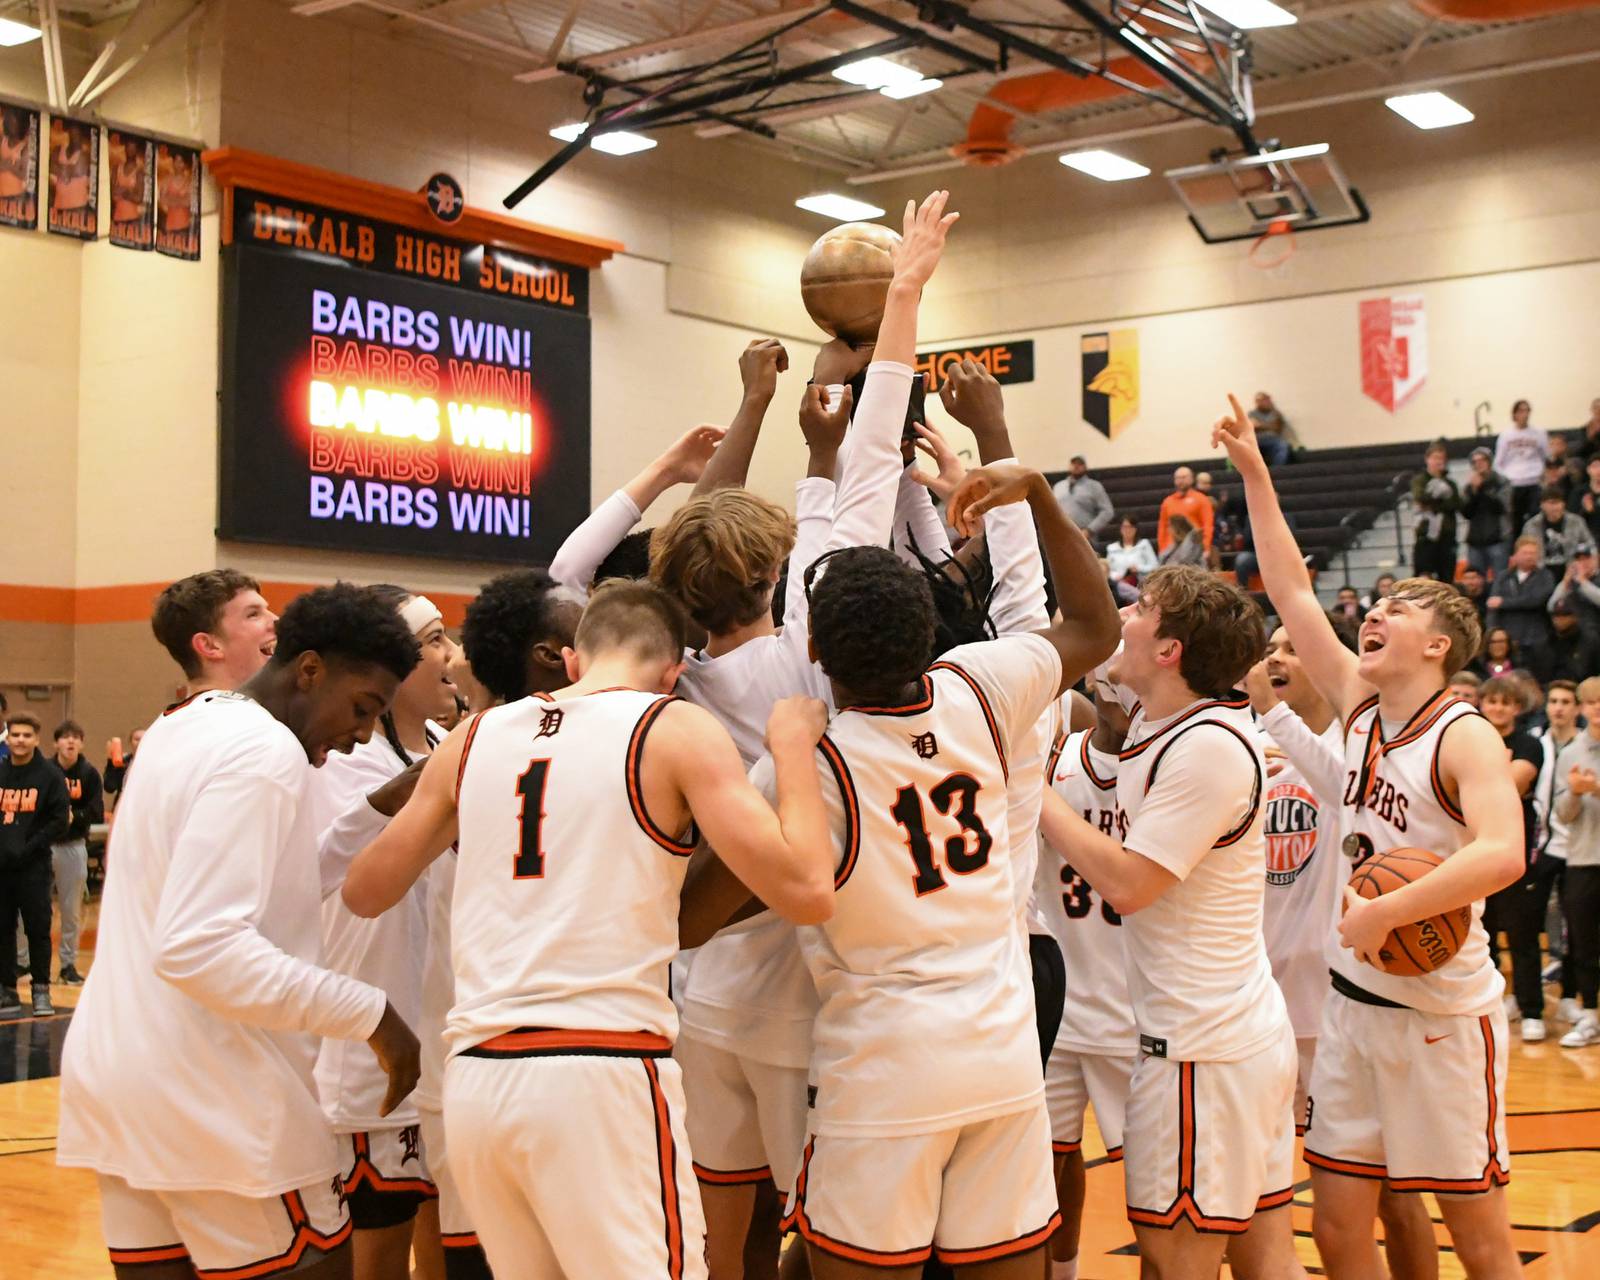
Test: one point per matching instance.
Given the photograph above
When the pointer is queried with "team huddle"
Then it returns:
(777, 866)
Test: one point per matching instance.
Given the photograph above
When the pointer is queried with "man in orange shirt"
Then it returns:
(1187, 501)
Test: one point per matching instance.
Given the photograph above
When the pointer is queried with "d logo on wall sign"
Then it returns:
(446, 200)
(1109, 365)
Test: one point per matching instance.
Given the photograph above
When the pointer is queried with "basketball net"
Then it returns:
(1264, 254)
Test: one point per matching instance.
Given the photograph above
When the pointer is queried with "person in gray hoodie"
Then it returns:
(1559, 532)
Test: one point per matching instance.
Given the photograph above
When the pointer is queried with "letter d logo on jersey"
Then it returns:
(1109, 364)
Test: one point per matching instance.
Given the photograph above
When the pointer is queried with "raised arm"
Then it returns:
(759, 366)
(1088, 627)
(1331, 666)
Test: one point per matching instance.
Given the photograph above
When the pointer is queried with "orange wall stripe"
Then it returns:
(132, 602)
(235, 167)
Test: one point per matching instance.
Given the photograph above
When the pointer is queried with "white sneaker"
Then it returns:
(1587, 1032)
(1532, 1030)
(1570, 1011)
(1513, 1009)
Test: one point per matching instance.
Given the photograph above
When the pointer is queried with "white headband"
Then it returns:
(419, 613)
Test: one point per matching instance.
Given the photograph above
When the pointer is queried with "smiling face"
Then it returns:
(428, 691)
(336, 705)
(1501, 710)
(1130, 532)
(1287, 674)
(1398, 634)
(1136, 663)
(1497, 645)
(243, 639)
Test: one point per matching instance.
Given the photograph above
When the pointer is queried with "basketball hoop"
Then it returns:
(1264, 256)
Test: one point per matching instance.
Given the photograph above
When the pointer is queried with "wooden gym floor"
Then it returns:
(52, 1218)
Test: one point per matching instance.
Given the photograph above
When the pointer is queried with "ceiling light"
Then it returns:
(910, 90)
(840, 208)
(877, 73)
(14, 33)
(1248, 14)
(1429, 110)
(617, 142)
(1105, 165)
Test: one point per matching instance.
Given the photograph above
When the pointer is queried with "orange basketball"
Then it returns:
(1412, 949)
(844, 280)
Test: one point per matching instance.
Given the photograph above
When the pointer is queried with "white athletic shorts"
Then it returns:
(1305, 1048)
(966, 1195)
(1211, 1143)
(385, 1177)
(220, 1233)
(1074, 1081)
(455, 1228)
(746, 1119)
(573, 1161)
(1416, 1098)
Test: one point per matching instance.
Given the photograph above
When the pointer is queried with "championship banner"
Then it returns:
(74, 172)
(1109, 368)
(1006, 362)
(1394, 348)
(19, 166)
(133, 183)
(178, 201)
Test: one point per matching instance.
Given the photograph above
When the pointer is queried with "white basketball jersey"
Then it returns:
(1305, 871)
(1190, 788)
(1394, 798)
(1098, 1017)
(566, 891)
(926, 999)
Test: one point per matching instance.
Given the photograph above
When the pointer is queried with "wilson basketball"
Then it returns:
(845, 279)
(1412, 949)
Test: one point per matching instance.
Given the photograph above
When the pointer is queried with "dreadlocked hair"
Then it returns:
(961, 598)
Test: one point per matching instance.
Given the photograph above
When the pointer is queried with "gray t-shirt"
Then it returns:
(1583, 832)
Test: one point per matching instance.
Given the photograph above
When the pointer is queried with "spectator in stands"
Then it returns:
(1556, 476)
(1084, 499)
(35, 817)
(1382, 588)
(1531, 718)
(1577, 804)
(1437, 500)
(1573, 654)
(1498, 656)
(1578, 589)
(1186, 501)
(1587, 499)
(1130, 557)
(1519, 456)
(1588, 443)
(1562, 456)
(118, 763)
(5, 749)
(1272, 431)
(1186, 546)
(1519, 605)
(1513, 908)
(1486, 503)
(1348, 604)
(1559, 533)
(71, 856)
(1470, 583)
(1465, 684)
(1556, 742)
(1122, 591)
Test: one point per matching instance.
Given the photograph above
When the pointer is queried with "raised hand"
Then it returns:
(996, 485)
(1258, 685)
(1236, 433)
(972, 397)
(822, 423)
(796, 723)
(951, 470)
(685, 459)
(759, 366)
(922, 240)
(837, 362)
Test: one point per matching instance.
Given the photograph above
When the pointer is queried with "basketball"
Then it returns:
(1412, 949)
(845, 279)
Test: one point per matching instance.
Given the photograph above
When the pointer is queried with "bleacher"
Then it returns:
(1331, 495)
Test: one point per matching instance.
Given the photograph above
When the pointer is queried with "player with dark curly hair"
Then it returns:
(513, 633)
(187, 1083)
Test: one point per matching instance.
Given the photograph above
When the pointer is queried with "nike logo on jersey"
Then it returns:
(1436, 1039)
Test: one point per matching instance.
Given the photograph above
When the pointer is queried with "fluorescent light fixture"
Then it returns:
(15, 33)
(910, 90)
(617, 143)
(1105, 165)
(1429, 110)
(1248, 14)
(840, 208)
(877, 73)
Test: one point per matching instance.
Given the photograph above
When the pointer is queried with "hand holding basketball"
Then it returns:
(996, 485)
(922, 242)
(1363, 928)
(1236, 433)
(1388, 936)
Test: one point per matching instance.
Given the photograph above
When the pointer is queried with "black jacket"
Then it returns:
(1488, 511)
(85, 796)
(34, 811)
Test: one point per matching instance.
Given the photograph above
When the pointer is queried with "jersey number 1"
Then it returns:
(960, 791)
(530, 821)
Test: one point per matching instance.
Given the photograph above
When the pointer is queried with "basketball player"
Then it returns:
(1409, 1078)
(1097, 1043)
(1208, 1139)
(928, 1133)
(1305, 870)
(186, 1080)
(562, 1106)
(385, 1174)
(216, 626)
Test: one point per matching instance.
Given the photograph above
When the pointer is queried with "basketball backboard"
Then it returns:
(1243, 197)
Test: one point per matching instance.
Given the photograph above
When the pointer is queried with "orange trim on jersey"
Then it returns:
(1105, 784)
(1065, 1148)
(914, 707)
(183, 702)
(635, 783)
(466, 749)
(1054, 758)
(1423, 719)
(1113, 1153)
(459, 1240)
(1231, 704)
(798, 1221)
(731, 1177)
(364, 1171)
(1275, 1200)
(525, 1039)
(667, 1161)
(1452, 808)
(1365, 705)
(1005, 1249)
(1236, 833)
(141, 1257)
(988, 713)
(305, 1237)
(1350, 1168)
(852, 808)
